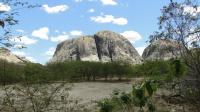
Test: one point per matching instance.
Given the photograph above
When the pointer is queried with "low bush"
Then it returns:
(138, 99)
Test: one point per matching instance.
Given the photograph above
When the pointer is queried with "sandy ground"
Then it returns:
(85, 93)
(92, 91)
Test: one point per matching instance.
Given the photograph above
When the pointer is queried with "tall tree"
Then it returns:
(9, 10)
(181, 22)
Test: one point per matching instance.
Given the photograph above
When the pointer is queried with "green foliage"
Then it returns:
(143, 93)
(161, 70)
(10, 72)
(80, 71)
(138, 99)
(35, 73)
(178, 69)
(105, 105)
(89, 71)
(175, 24)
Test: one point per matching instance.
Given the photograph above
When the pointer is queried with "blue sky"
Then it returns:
(57, 20)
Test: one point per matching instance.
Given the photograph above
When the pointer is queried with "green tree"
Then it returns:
(180, 22)
(35, 73)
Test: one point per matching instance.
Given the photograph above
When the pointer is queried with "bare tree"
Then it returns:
(11, 9)
(53, 97)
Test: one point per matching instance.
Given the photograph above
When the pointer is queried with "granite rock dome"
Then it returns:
(103, 46)
(162, 49)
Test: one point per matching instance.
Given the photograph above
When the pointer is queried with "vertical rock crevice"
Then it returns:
(98, 47)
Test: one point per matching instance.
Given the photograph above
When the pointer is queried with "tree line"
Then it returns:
(88, 71)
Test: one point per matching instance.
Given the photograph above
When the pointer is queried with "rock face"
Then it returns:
(83, 48)
(104, 46)
(6, 54)
(161, 49)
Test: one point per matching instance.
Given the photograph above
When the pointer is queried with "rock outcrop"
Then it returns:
(7, 55)
(104, 46)
(83, 48)
(161, 49)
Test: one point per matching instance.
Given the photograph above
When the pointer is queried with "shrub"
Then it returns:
(105, 105)
(140, 97)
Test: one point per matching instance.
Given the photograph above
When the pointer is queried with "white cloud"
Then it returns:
(78, 0)
(41, 33)
(50, 51)
(84, 0)
(18, 46)
(19, 53)
(65, 33)
(57, 31)
(132, 36)
(109, 2)
(91, 10)
(23, 54)
(110, 19)
(59, 38)
(20, 30)
(55, 9)
(76, 33)
(32, 59)
(4, 7)
(120, 21)
(140, 50)
(24, 40)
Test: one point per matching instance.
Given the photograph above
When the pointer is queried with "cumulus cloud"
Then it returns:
(55, 9)
(140, 50)
(132, 36)
(41, 33)
(24, 40)
(91, 10)
(32, 59)
(50, 51)
(4, 7)
(109, 2)
(23, 54)
(109, 19)
(19, 53)
(76, 33)
(59, 38)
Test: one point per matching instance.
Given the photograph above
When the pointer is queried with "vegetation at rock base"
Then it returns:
(88, 71)
(162, 70)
